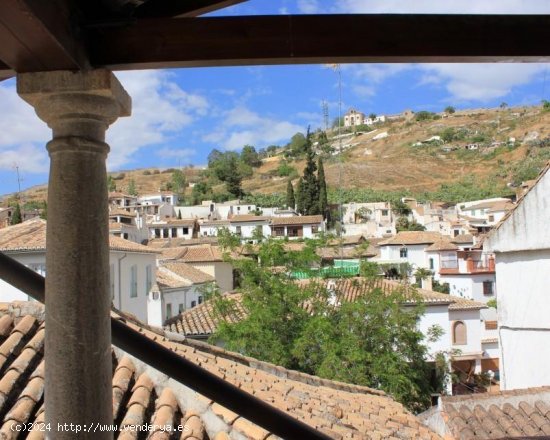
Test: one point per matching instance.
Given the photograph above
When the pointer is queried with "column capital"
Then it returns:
(35, 86)
(82, 103)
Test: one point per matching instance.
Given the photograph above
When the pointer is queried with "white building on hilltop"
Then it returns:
(521, 244)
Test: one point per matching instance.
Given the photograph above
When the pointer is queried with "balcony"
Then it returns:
(467, 262)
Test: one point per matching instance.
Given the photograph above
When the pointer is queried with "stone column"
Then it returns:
(78, 107)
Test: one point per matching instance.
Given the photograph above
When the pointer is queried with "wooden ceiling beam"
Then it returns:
(254, 40)
(181, 8)
(39, 35)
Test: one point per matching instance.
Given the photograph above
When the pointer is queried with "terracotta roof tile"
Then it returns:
(248, 218)
(187, 272)
(413, 237)
(463, 239)
(507, 414)
(297, 220)
(31, 235)
(442, 245)
(342, 410)
(115, 212)
(203, 319)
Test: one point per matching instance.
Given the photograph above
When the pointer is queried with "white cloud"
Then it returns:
(242, 126)
(444, 7)
(182, 154)
(480, 82)
(309, 6)
(30, 158)
(160, 110)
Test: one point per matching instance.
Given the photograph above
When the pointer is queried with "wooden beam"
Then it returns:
(232, 41)
(38, 35)
(181, 8)
(5, 72)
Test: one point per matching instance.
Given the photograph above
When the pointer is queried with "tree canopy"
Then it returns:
(372, 341)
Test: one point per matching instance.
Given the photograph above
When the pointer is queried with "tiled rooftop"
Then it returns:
(442, 245)
(175, 242)
(297, 220)
(193, 254)
(31, 236)
(463, 239)
(203, 319)
(142, 395)
(185, 271)
(413, 237)
(517, 414)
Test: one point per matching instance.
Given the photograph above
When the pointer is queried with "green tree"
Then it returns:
(298, 196)
(250, 157)
(404, 224)
(233, 181)
(449, 110)
(132, 188)
(372, 341)
(290, 200)
(372, 116)
(179, 182)
(16, 216)
(545, 105)
(448, 135)
(323, 194)
(298, 144)
(201, 191)
(111, 184)
(310, 184)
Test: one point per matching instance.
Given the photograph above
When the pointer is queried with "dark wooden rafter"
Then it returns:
(39, 35)
(232, 41)
(181, 8)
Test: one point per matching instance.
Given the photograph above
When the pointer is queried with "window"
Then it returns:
(384, 213)
(432, 263)
(193, 304)
(125, 236)
(403, 252)
(168, 311)
(459, 333)
(488, 288)
(174, 232)
(239, 231)
(133, 282)
(491, 218)
(112, 280)
(148, 278)
(157, 233)
(185, 231)
(200, 299)
(279, 232)
(314, 229)
(165, 233)
(180, 308)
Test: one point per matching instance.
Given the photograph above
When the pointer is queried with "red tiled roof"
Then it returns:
(338, 409)
(297, 220)
(248, 218)
(184, 270)
(412, 237)
(31, 236)
(203, 320)
(513, 414)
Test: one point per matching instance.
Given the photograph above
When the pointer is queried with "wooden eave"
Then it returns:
(38, 35)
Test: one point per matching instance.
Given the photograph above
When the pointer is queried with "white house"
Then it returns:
(210, 228)
(121, 200)
(521, 244)
(127, 225)
(370, 219)
(206, 258)
(408, 247)
(249, 226)
(484, 214)
(179, 287)
(303, 226)
(131, 266)
(172, 228)
(353, 117)
(159, 198)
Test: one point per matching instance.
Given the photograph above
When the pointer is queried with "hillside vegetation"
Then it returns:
(422, 155)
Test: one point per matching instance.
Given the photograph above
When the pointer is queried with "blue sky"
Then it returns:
(179, 116)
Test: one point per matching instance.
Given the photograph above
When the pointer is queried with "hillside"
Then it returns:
(388, 159)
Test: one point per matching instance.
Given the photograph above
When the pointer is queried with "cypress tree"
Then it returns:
(290, 199)
(298, 196)
(16, 217)
(323, 197)
(310, 190)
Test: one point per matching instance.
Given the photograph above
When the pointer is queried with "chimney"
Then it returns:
(427, 283)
